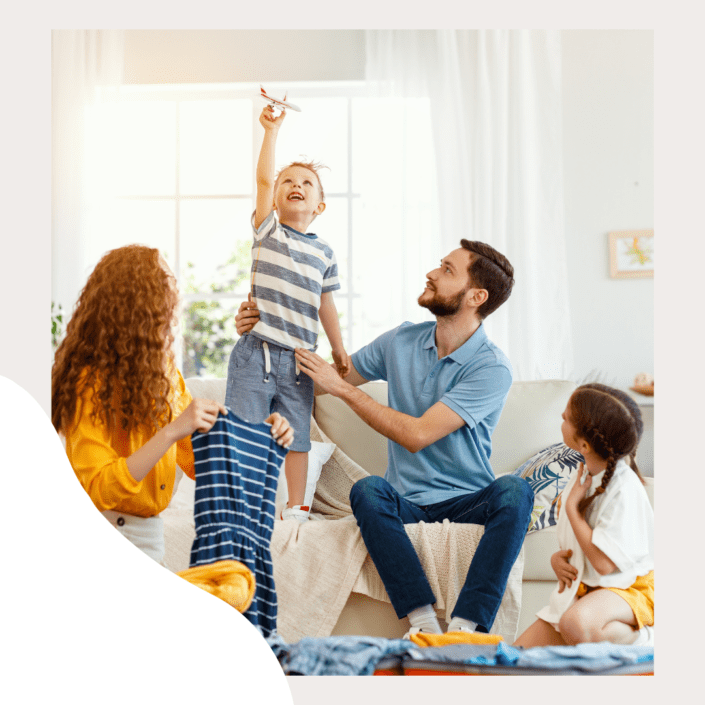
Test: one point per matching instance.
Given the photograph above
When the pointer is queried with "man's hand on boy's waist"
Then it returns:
(322, 373)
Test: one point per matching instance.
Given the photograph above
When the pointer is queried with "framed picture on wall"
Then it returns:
(631, 254)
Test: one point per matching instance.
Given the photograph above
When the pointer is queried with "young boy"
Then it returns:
(294, 274)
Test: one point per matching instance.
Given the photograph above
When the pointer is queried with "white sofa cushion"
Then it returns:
(203, 388)
(539, 546)
(350, 433)
(530, 421)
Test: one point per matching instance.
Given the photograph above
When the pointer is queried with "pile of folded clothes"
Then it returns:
(469, 654)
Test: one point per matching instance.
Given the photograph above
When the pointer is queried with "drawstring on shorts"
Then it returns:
(267, 361)
(268, 364)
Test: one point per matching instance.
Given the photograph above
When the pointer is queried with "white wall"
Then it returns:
(608, 152)
(608, 126)
(245, 55)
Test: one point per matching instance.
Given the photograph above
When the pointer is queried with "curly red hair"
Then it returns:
(118, 343)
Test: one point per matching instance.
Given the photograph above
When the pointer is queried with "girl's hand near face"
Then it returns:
(600, 561)
(580, 488)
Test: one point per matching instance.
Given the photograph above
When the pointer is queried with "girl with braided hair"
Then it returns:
(605, 564)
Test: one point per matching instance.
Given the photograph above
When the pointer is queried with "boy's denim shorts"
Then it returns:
(254, 392)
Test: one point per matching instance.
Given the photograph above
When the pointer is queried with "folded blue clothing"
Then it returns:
(277, 644)
(477, 654)
(602, 656)
(337, 655)
(359, 655)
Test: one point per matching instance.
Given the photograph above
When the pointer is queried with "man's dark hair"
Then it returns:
(489, 270)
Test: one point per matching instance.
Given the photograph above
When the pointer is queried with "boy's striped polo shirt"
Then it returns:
(290, 272)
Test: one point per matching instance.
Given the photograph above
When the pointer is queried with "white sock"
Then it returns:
(458, 624)
(425, 618)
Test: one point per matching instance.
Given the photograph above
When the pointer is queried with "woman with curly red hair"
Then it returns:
(119, 399)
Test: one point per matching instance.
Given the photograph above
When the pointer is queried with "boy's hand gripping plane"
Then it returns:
(276, 103)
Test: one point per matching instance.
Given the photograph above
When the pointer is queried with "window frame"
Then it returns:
(180, 93)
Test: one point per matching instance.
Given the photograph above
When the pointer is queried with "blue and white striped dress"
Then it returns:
(237, 471)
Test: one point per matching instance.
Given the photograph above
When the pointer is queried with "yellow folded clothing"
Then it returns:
(423, 639)
(231, 581)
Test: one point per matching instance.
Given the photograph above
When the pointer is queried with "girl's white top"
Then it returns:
(622, 523)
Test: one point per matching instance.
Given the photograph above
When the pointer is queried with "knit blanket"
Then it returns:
(318, 564)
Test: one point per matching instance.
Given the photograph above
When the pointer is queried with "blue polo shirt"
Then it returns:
(473, 381)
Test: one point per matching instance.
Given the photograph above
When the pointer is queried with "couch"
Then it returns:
(530, 422)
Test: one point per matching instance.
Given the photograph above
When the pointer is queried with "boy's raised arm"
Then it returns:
(266, 164)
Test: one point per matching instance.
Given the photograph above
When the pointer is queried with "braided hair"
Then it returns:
(610, 421)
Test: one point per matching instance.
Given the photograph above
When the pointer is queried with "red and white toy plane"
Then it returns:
(276, 103)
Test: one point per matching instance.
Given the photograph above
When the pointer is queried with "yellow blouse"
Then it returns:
(99, 455)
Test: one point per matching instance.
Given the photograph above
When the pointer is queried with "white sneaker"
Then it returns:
(458, 624)
(299, 512)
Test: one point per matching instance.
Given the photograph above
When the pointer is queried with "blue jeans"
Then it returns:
(503, 508)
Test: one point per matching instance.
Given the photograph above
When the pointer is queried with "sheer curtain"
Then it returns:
(495, 100)
(86, 66)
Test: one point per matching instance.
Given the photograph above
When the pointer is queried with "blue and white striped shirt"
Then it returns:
(290, 271)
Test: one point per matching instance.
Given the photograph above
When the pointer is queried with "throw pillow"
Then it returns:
(317, 457)
(547, 472)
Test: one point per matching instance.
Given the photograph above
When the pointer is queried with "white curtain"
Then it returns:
(497, 132)
(86, 66)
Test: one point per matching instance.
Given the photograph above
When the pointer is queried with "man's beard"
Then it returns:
(442, 307)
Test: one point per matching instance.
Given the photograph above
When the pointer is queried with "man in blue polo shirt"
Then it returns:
(447, 384)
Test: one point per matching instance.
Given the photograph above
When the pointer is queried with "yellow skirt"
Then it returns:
(640, 597)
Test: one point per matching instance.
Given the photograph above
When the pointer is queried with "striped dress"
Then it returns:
(237, 471)
(290, 272)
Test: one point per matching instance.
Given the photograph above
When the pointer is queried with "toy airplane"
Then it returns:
(276, 103)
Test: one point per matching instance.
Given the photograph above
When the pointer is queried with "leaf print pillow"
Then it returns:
(547, 472)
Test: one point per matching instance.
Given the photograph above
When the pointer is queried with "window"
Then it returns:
(173, 167)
